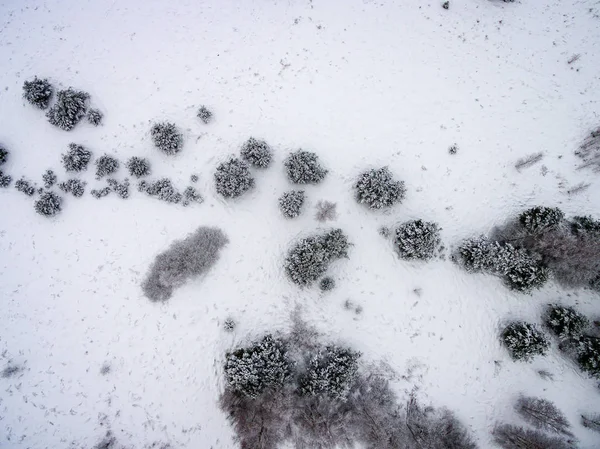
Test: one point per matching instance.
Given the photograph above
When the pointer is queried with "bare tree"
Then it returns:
(543, 415)
(508, 436)
(591, 421)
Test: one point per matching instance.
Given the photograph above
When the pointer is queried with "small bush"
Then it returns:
(524, 341)
(591, 421)
(162, 189)
(330, 372)
(183, 260)
(191, 195)
(508, 436)
(290, 203)
(229, 325)
(76, 187)
(453, 149)
(257, 153)
(303, 167)
(106, 165)
(69, 109)
(543, 415)
(264, 365)
(326, 284)
(77, 158)
(100, 193)
(204, 114)
(194, 178)
(94, 117)
(38, 92)
(48, 204)
(539, 219)
(565, 322)
(49, 178)
(24, 186)
(3, 155)
(167, 138)
(377, 189)
(588, 356)
(5, 180)
(120, 188)
(233, 178)
(138, 166)
(326, 211)
(417, 239)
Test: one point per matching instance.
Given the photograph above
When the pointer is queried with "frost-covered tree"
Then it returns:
(417, 239)
(204, 114)
(591, 421)
(543, 415)
(167, 138)
(75, 187)
(106, 165)
(77, 158)
(477, 254)
(336, 244)
(69, 109)
(539, 219)
(5, 180)
(120, 188)
(49, 178)
(38, 92)
(101, 193)
(162, 189)
(303, 167)
(508, 436)
(565, 322)
(191, 195)
(524, 341)
(330, 372)
(194, 178)
(377, 188)
(326, 284)
(257, 153)
(3, 155)
(585, 225)
(290, 203)
(264, 365)
(138, 166)
(526, 276)
(588, 355)
(183, 260)
(94, 116)
(48, 204)
(233, 178)
(24, 186)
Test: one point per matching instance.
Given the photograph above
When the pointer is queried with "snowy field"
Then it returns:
(363, 84)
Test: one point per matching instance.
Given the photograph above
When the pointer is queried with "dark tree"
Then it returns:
(290, 203)
(540, 218)
(565, 322)
(167, 138)
(76, 187)
(233, 178)
(508, 436)
(94, 116)
(543, 415)
(377, 189)
(5, 180)
(162, 189)
(588, 356)
(48, 204)
(326, 284)
(3, 155)
(303, 167)
(106, 165)
(524, 341)
(24, 186)
(417, 240)
(38, 92)
(69, 109)
(49, 178)
(204, 114)
(77, 158)
(257, 153)
(138, 166)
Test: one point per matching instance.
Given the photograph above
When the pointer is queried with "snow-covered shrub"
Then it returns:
(588, 356)
(326, 210)
(38, 92)
(69, 109)
(233, 178)
(48, 204)
(191, 195)
(417, 239)
(100, 193)
(308, 259)
(76, 187)
(24, 186)
(106, 165)
(477, 254)
(585, 225)
(591, 421)
(565, 322)
(183, 260)
(524, 341)
(3, 155)
(162, 189)
(94, 116)
(303, 167)
(5, 180)
(229, 325)
(264, 365)
(257, 153)
(326, 284)
(377, 188)
(204, 114)
(508, 436)
(194, 178)
(453, 149)
(526, 276)
(49, 178)
(542, 414)
(290, 203)
(167, 138)
(540, 218)
(77, 158)
(138, 166)
(120, 188)
(330, 372)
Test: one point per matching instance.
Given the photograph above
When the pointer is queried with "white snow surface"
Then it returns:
(362, 83)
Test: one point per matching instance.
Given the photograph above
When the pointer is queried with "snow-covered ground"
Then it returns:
(363, 83)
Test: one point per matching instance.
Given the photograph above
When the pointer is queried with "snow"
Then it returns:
(362, 83)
